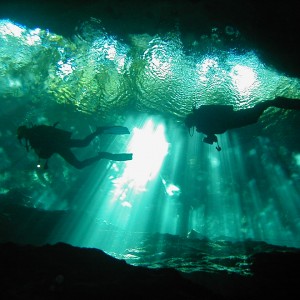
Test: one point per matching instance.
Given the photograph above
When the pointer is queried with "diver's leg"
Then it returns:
(259, 108)
(249, 116)
(76, 143)
(279, 102)
(286, 103)
(116, 157)
(69, 157)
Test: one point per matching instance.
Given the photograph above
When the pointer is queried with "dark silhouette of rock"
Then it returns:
(62, 271)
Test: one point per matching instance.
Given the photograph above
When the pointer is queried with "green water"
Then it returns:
(149, 83)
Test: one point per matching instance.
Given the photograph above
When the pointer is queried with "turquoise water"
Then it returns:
(175, 183)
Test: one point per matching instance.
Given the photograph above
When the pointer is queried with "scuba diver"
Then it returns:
(216, 119)
(47, 140)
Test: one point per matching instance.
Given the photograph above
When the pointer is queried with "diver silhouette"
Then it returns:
(47, 140)
(216, 119)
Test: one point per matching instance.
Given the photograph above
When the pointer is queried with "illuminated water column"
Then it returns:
(218, 209)
(125, 200)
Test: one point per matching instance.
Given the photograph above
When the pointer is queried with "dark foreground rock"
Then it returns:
(62, 271)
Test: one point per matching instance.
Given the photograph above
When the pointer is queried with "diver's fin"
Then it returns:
(286, 103)
(122, 156)
(116, 157)
(113, 130)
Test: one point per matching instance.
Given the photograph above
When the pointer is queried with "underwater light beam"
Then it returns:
(149, 148)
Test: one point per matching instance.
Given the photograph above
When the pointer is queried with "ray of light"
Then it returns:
(246, 196)
(132, 198)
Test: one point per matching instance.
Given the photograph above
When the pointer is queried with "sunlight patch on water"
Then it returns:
(98, 72)
(204, 67)
(244, 79)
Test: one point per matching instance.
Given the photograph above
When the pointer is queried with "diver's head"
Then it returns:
(22, 132)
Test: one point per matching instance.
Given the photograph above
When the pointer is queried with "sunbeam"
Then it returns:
(125, 201)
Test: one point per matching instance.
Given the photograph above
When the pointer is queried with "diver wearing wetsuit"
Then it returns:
(47, 140)
(216, 119)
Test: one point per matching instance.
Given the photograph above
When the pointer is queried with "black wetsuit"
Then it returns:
(47, 140)
(216, 119)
